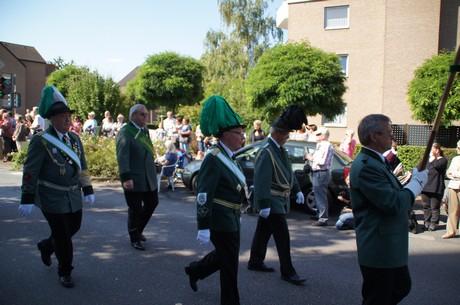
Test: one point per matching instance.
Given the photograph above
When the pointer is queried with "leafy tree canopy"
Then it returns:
(87, 91)
(168, 80)
(297, 73)
(427, 87)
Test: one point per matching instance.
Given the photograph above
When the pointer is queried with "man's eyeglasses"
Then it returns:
(241, 133)
(390, 134)
(143, 113)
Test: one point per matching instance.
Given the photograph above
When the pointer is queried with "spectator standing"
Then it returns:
(169, 124)
(90, 125)
(20, 134)
(257, 134)
(107, 129)
(7, 134)
(76, 125)
(433, 191)
(321, 161)
(136, 165)
(380, 207)
(221, 188)
(274, 180)
(38, 123)
(55, 174)
(185, 131)
(312, 128)
(348, 144)
(118, 124)
(453, 196)
(200, 139)
(300, 135)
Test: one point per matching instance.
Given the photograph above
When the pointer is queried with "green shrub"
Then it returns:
(411, 156)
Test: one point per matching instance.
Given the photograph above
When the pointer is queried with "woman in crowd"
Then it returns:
(185, 132)
(90, 125)
(434, 189)
(453, 194)
(257, 134)
(20, 133)
(6, 124)
(76, 125)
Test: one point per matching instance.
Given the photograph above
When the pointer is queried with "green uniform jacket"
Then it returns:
(136, 163)
(269, 179)
(216, 180)
(41, 165)
(380, 207)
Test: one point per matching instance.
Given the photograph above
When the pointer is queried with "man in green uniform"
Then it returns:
(274, 181)
(55, 173)
(221, 188)
(136, 164)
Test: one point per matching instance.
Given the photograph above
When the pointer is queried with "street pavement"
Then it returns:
(108, 271)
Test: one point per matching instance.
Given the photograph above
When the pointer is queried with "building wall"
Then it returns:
(385, 42)
(30, 79)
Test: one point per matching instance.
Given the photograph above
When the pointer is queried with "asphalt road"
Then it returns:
(108, 271)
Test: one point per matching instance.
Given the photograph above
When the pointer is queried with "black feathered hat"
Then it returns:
(292, 119)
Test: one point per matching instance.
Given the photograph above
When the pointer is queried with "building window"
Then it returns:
(344, 63)
(337, 121)
(336, 17)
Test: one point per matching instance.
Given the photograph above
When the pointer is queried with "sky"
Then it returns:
(111, 37)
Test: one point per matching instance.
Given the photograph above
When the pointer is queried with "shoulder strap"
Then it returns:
(49, 138)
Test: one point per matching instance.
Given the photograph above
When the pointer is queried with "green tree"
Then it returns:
(426, 89)
(229, 55)
(297, 73)
(60, 64)
(87, 91)
(168, 80)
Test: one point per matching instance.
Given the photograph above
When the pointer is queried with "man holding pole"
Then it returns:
(380, 207)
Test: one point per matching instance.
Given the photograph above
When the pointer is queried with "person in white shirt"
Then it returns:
(321, 164)
(453, 193)
(39, 123)
(169, 124)
(90, 124)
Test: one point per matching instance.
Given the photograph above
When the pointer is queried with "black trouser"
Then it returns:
(431, 204)
(63, 227)
(385, 286)
(225, 259)
(139, 214)
(276, 225)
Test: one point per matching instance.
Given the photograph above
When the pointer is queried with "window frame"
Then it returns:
(330, 8)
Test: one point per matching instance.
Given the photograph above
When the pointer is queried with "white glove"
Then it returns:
(417, 182)
(300, 199)
(90, 199)
(25, 209)
(264, 212)
(203, 236)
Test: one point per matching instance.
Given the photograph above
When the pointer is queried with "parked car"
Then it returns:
(296, 151)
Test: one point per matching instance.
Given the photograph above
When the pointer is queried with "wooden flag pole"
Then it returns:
(437, 121)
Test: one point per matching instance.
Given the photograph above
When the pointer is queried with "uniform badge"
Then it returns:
(54, 150)
(239, 187)
(201, 198)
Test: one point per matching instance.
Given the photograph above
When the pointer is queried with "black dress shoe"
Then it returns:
(138, 245)
(46, 258)
(314, 217)
(262, 267)
(191, 279)
(293, 279)
(142, 238)
(66, 281)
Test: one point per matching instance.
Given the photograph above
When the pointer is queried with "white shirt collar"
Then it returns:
(378, 153)
(227, 150)
(60, 135)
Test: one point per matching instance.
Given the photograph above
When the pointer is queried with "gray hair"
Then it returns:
(134, 109)
(369, 124)
(170, 146)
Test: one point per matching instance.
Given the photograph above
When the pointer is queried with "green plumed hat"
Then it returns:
(217, 116)
(52, 102)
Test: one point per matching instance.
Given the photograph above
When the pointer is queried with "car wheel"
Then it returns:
(310, 203)
(193, 183)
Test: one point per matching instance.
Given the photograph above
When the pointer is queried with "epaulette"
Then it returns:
(215, 151)
(40, 133)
